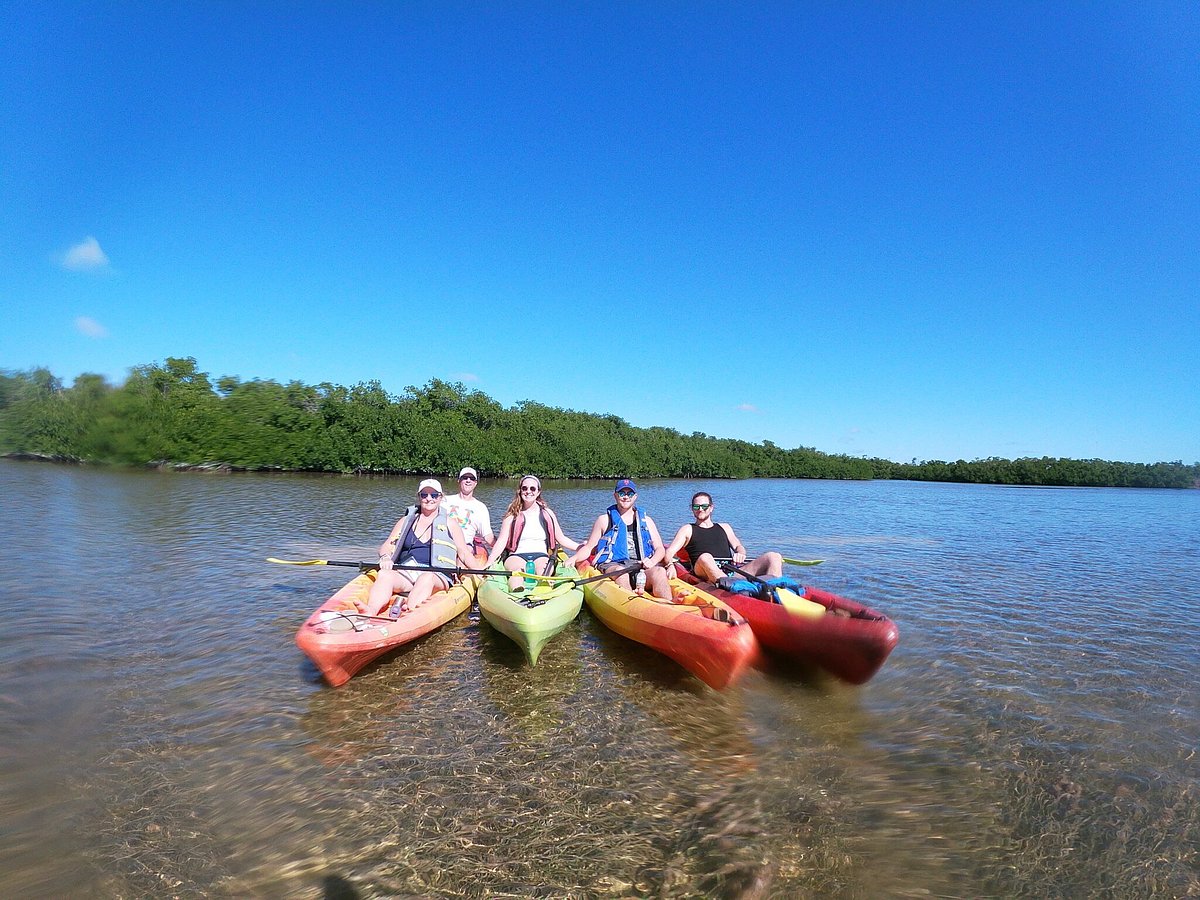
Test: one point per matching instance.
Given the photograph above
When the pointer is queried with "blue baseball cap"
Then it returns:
(625, 484)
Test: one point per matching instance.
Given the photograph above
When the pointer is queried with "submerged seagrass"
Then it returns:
(1032, 735)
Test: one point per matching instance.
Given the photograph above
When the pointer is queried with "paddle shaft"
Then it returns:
(616, 573)
(575, 582)
(367, 567)
(790, 562)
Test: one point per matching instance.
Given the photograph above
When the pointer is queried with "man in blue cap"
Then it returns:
(624, 535)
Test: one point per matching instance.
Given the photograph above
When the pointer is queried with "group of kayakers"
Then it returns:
(455, 532)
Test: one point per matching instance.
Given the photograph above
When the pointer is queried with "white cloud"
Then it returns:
(465, 377)
(89, 326)
(748, 407)
(86, 256)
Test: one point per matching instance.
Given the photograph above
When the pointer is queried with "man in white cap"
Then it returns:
(470, 513)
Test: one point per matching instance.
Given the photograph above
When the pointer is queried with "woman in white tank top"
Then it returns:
(529, 531)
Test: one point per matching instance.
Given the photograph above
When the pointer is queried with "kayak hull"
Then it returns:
(531, 627)
(845, 638)
(341, 641)
(715, 651)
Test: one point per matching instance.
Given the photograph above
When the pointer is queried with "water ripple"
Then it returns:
(1034, 734)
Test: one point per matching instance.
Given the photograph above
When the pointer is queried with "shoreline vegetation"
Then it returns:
(173, 416)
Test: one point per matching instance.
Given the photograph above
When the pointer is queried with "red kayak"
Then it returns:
(841, 636)
(340, 640)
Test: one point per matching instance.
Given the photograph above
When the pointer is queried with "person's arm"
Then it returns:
(388, 548)
(660, 552)
(501, 540)
(682, 536)
(735, 546)
(465, 554)
(584, 550)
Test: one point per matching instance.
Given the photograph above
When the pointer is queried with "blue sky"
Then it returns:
(906, 230)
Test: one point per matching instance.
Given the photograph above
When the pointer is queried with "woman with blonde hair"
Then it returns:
(529, 532)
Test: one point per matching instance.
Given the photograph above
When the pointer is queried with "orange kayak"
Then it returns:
(698, 631)
(340, 640)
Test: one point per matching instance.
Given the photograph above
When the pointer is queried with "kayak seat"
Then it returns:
(737, 585)
(784, 582)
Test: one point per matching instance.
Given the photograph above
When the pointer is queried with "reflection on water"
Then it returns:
(1033, 735)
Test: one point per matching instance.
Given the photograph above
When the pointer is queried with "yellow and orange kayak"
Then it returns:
(341, 640)
(698, 631)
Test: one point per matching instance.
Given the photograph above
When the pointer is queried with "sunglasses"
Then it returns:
(626, 494)
(701, 506)
(429, 495)
(529, 489)
(468, 478)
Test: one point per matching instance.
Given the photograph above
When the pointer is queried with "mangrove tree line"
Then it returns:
(174, 412)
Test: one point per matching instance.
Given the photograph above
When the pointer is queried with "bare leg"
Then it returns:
(387, 582)
(658, 583)
(621, 581)
(426, 585)
(769, 564)
(706, 568)
(515, 564)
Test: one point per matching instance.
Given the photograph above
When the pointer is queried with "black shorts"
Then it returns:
(530, 557)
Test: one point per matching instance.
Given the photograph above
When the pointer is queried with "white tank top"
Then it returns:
(533, 535)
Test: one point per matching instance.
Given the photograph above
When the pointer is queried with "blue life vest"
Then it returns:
(614, 544)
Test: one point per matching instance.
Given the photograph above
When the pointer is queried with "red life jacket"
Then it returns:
(518, 526)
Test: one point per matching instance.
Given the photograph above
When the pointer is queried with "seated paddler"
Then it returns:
(529, 534)
(711, 546)
(625, 535)
(425, 537)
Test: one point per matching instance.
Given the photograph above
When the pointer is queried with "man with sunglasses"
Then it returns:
(470, 513)
(710, 543)
(624, 534)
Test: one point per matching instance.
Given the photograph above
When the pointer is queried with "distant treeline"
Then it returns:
(176, 413)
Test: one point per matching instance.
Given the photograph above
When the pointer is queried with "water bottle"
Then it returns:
(639, 581)
(530, 569)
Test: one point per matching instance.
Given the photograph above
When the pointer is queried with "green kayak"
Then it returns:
(531, 617)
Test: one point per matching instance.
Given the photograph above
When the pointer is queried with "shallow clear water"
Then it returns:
(1034, 734)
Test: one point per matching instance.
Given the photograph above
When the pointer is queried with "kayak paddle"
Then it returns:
(785, 597)
(721, 560)
(572, 583)
(367, 567)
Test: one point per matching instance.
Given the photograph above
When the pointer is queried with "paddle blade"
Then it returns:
(800, 606)
(803, 562)
(323, 562)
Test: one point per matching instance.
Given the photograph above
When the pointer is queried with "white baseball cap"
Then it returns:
(467, 470)
(430, 483)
